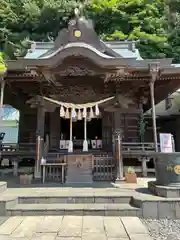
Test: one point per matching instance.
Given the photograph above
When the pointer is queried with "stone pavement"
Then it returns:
(61, 190)
(72, 228)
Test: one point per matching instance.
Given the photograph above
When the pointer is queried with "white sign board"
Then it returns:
(166, 144)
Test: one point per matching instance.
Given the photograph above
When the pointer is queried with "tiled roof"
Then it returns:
(124, 49)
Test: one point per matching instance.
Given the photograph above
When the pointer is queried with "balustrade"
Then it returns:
(103, 168)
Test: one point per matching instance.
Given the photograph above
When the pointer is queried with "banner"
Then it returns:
(166, 143)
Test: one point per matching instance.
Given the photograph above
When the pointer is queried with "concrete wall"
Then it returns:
(11, 133)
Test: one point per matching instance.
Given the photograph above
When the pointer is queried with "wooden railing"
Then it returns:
(54, 172)
(146, 146)
(55, 168)
(103, 168)
(126, 146)
(17, 147)
(10, 147)
(103, 165)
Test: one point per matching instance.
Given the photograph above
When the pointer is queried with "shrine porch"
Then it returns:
(102, 166)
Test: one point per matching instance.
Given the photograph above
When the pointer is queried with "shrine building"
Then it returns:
(81, 102)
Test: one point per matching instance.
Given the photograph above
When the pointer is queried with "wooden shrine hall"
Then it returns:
(81, 100)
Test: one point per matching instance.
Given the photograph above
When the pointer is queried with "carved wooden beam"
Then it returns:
(38, 101)
(77, 71)
(49, 76)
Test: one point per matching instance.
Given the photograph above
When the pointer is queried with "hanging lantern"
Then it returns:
(62, 112)
(67, 116)
(97, 110)
(84, 113)
(91, 113)
(79, 115)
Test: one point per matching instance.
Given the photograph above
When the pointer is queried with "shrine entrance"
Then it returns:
(80, 124)
(94, 132)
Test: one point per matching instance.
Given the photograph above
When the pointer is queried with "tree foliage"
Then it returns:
(173, 17)
(148, 21)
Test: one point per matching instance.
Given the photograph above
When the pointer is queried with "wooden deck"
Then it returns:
(103, 164)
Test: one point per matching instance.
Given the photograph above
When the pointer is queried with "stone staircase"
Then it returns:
(90, 200)
(67, 201)
(73, 205)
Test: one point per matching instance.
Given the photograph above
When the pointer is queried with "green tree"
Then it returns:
(173, 19)
(41, 20)
(141, 20)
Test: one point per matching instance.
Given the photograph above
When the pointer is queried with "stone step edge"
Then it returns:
(154, 207)
(76, 196)
(64, 207)
(74, 199)
(139, 201)
(3, 187)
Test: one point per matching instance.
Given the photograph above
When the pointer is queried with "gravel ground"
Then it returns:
(163, 229)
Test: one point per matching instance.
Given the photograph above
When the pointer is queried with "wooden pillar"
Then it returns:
(27, 126)
(118, 135)
(154, 71)
(177, 133)
(119, 157)
(39, 139)
(70, 148)
(55, 129)
(20, 134)
(85, 142)
(107, 126)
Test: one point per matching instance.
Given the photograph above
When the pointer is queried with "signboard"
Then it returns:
(166, 143)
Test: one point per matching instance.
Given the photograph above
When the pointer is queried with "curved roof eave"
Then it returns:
(73, 49)
(74, 45)
(84, 50)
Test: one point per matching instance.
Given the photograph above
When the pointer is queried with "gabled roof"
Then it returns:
(80, 31)
(81, 40)
(119, 49)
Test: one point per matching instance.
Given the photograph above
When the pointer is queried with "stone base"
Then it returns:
(119, 180)
(79, 169)
(37, 175)
(164, 191)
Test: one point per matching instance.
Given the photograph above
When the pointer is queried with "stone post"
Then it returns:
(144, 161)
(154, 71)
(39, 140)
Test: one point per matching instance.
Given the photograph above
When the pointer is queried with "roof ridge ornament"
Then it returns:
(77, 12)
